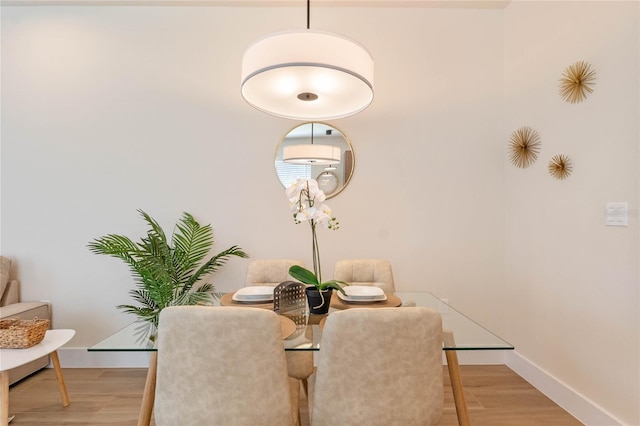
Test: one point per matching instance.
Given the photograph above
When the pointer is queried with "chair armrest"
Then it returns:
(11, 293)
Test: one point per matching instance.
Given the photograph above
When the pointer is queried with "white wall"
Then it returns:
(572, 282)
(110, 109)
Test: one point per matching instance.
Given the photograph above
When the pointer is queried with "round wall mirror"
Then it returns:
(319, 151)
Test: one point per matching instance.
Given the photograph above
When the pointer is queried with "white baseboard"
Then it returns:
(573, 402)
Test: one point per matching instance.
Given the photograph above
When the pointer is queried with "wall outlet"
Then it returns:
(615, 214)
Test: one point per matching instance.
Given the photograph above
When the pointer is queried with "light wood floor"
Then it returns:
(495, 395)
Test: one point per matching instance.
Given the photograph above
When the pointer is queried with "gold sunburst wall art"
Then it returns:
(577, 81)
(560, 166)
(524, 147)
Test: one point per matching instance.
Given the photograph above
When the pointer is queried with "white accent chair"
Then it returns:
(374, 272)
(222, 366)
(379, 367)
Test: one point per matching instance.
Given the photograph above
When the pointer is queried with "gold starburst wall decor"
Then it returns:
(577, 80)
(524, 147)
(560, 166)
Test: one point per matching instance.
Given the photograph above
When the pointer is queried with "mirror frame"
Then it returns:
(347, 159)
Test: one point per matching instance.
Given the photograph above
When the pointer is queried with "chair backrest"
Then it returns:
(269, 271)
(289, 296)
(221, 365)
(380, 367)
(375, 272)
(290, 300)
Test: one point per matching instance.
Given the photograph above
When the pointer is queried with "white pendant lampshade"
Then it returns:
(307, 75)
(311, 154)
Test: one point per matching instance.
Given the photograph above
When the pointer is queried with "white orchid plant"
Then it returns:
(306, 198)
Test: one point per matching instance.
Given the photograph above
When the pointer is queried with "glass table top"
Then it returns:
(468, 334)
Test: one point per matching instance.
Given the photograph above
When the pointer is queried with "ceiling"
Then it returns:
(464, 4)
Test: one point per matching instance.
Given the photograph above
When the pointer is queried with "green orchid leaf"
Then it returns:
(303, 275)
(335, 284)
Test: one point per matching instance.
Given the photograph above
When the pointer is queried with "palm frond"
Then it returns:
(191, 243)
(156, 229)
(114, 245)
(143, 313)
(143, 297)
(215, 263)
(165, 275)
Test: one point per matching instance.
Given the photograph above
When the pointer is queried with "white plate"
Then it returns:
(365, 299)
(363, 291)
(256, 293)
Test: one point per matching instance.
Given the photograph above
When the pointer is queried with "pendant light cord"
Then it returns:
(308, 12)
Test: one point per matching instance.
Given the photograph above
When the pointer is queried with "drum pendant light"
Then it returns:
(307, 75)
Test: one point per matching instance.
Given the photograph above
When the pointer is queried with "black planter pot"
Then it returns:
(316, 305)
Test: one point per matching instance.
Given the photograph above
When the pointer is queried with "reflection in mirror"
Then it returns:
(319, 151)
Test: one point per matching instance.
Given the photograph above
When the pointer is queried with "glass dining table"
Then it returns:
(461, 333)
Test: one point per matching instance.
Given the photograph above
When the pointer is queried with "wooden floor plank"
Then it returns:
(496, 396)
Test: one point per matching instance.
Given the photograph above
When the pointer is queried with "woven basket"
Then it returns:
(20, 334)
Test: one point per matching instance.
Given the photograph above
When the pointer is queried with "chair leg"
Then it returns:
(294, 393)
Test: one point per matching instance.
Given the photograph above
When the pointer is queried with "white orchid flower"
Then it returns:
(306, 214)
(293, 191)
(304, 195)
(319, 196)
(311, 185)
(315, 193)
(323, 215)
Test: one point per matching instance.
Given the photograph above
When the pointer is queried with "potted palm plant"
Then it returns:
(167, 273)
(303, 195)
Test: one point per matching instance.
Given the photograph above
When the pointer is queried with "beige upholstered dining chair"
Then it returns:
(270, 271)
(274, 272)
(290, 301)
(379, 367)
(375, 272)
(223, 366)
